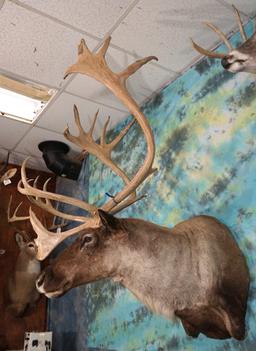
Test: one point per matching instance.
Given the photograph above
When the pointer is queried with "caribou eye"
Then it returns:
(240, 61)
(30, 245)
(87, 240)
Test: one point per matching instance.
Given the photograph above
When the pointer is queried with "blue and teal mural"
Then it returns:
(204, 125)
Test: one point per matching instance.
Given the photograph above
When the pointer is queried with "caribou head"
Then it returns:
(240, 59)
(194, 271)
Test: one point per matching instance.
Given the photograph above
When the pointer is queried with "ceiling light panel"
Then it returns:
(22, 100)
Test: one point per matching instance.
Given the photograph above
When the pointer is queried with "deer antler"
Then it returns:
(222, 37)
(14, 218)
(8, 174)
(95, 65)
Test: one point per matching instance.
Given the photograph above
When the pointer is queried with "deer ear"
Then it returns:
(108, 220)
(19, 240)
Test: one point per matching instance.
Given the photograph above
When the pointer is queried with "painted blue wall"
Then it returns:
(204, 126)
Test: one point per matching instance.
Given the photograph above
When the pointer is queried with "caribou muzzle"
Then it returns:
(52, 285)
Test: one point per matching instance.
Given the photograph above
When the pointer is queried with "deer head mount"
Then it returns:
(164, 268)
(240, 59)
(22, 283)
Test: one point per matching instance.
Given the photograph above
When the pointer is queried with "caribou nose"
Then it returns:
(225, 62)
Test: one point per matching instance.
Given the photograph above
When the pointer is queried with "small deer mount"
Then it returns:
(240, 59)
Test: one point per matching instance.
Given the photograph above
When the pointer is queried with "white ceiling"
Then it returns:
(39, 41)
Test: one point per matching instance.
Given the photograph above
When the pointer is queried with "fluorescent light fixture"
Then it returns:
(22, 101)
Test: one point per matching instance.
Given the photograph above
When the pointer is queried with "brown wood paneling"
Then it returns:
(12, 329)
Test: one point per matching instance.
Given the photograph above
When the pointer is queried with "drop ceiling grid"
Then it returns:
(128, 16)
(54, 121)
(17, 158)
(95, 17)
(25, 142)
(35, 46)
(244, 6)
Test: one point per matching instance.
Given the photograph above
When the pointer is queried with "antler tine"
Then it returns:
(128, 202)
(104, 131)
(63, 224)
(120, 136)
(102, 51)
(220, 34)
(84, 139)
(93, 123)
(77, 120)
(208, 53)
(82, 47)
(29, 190)
(241, 28)
(134, 67)
(14, 217)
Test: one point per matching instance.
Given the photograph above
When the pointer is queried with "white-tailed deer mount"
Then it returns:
(22, 290)
(21, 285)
(240, 59)
(194, 271)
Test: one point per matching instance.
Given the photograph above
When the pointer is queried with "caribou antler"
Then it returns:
(94, 65)
(34, 195)
(222, 37)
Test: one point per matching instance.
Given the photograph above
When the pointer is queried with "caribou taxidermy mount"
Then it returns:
(194, 271)
(240, 59)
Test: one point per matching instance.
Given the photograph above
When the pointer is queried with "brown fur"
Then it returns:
(194, 271)
(21, 287)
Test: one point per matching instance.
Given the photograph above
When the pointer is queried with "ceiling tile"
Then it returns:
(29, 145)
(246, 6)
(3, 154)
(60, 113)
(141, 85)
(36, 47)
(163, 28)
(11, 132)
(95, 17)
(33, 162)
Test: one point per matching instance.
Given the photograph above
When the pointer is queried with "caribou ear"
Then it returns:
(108, 220)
